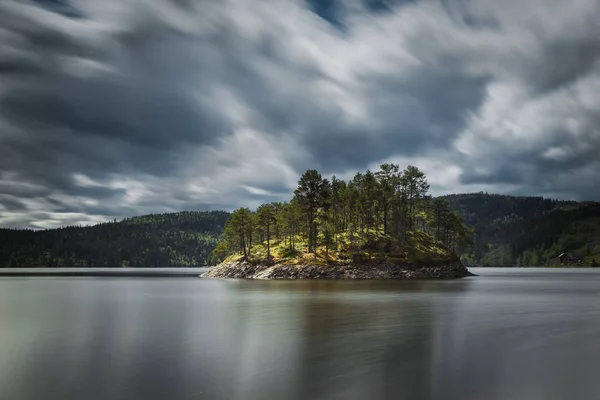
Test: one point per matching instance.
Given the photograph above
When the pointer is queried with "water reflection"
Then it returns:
(126, 338)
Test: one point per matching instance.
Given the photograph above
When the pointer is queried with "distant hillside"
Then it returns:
(528, 231)
(523, 231)
(183, 239)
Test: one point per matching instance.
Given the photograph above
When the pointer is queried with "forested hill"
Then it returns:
(523, 231)
(529, 231)
(183, 239)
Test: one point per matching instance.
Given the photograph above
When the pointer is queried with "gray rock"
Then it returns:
(244, 270)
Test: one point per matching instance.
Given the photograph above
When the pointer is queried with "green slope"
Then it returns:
(529, 231)
(509, 230)
(183, 239)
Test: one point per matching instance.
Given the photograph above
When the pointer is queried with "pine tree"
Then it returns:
(266, 220)
(387, 180)
(239, 229)
(415, 186)
(308, 195)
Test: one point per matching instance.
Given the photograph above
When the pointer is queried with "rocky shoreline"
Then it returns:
(245, 270)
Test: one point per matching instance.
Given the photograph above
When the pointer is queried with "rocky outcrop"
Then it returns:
(243, 269)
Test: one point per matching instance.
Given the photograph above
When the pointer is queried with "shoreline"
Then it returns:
(245, 270)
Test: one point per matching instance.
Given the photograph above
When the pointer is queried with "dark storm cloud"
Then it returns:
(335, 11)
(111, 108)
(563, 63)
(11, 203)
(327, 9)
(60, 6)
(69, 107)
(137, 111)
(22, 191)
(539, 168)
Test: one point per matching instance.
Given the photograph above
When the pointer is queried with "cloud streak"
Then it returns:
(115, 108)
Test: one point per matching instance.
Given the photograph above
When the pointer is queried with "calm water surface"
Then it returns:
(506, 334)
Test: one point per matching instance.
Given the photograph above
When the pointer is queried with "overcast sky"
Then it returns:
(114, 108)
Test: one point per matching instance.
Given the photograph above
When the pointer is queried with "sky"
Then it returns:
(115, 108)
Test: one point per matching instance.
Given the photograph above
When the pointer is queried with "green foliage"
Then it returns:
(239, 230)
(367, 219)
(380, 217)
(309, 196)
(182, 239)
(528, 231)
(266, 222)
(220, 252)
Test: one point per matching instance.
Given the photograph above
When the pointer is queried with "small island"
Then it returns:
(379, 225)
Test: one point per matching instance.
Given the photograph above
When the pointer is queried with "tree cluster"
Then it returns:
(374, 211)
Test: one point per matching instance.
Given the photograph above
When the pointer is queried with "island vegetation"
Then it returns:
(378, 224)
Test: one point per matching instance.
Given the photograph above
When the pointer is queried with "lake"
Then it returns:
(506, 334)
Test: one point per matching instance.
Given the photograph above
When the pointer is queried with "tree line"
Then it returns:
(372, 211)
(528, 231)
(183, 239)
